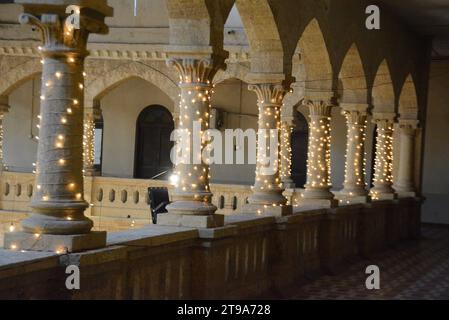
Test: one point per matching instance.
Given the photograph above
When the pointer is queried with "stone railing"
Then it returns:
(114, 198)
(252, 256)
(123, 198)
(16, 191)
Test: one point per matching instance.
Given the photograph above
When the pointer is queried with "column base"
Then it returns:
(92, 173)
(186, 207)
(267, 198)
(55, 243)
(277, 211)
(191, 221)
(288, 185)
(406, 194)
(384, 196)
(345, 200)
(321, 203)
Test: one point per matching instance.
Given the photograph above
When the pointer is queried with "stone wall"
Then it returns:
(250, 257)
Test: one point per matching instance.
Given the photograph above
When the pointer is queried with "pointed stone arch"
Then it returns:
(267, 54)
(198, 22)
(383, 97)
(315, 57)
(100, 86)
(408, 100)
(19, 74)
(352, 78)
(234, 70)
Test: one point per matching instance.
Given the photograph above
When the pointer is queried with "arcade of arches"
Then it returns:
(86, 123)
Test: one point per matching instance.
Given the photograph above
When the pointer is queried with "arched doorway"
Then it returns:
(299, 145)
(152, 156)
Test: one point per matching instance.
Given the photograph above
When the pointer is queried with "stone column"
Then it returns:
(57, 222)
(317, 189)
(4, 109)
(405, 182)
(383, 165)
(192, 205)
(91, 115)
(267, 194)
(354, 190)
(286, 154)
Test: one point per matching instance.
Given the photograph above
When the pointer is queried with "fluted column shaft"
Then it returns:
(268, 188)
(405, 182)
(286, 154)
(383, 166)
(319, 158)
(192, 194)
(356, 121)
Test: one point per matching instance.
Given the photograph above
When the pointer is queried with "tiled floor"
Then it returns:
(415, 270)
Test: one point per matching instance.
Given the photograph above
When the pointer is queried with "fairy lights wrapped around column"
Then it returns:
(57, 222)
(90, 117)
(267, 190)
(286, 154)
(354, 185)
(192, 196)
(383, 166)
(317, 188)
(4, 109)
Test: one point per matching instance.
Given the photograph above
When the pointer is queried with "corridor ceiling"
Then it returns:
(426, 17)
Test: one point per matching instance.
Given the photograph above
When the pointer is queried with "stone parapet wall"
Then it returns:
(251, 256)
(124, 200)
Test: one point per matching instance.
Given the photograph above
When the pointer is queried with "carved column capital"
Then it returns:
(384, 120)
(355, 114)
(319, 108)
(408, 127)
(196, 70)
(65, 28)
(268, 94)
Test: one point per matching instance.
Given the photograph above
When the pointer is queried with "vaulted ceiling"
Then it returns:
(426, 17)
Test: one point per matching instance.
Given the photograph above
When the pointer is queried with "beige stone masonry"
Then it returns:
(58, 202)
(383, 167)
(286, 153)
(354, 189)
(91, 115)
(317, 189)
(405, 182)
(4, 109)
(192, 196)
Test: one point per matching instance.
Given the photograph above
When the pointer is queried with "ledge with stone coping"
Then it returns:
(248, 257)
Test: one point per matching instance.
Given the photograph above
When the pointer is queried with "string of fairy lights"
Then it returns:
(56, 140)
(319, 155)
(1, 139)
(88, 142)
(355, 146)
(286, 151)
(194, 106)
(269, 118)
(383, 167)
